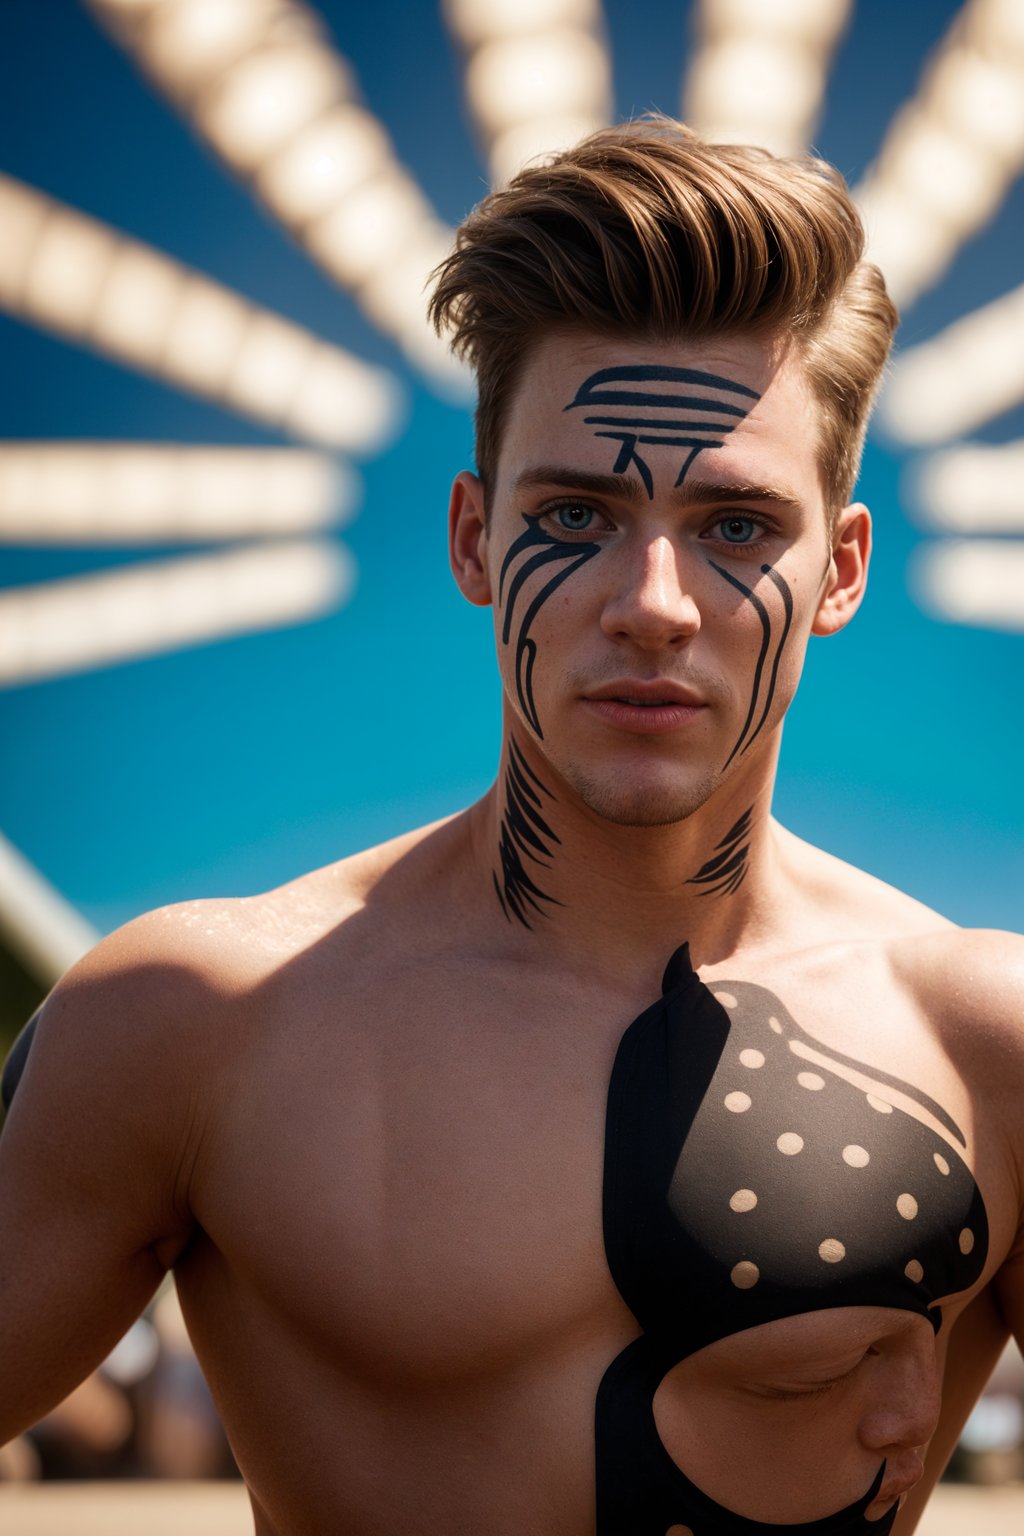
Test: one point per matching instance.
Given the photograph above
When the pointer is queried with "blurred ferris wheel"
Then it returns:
(268, 92)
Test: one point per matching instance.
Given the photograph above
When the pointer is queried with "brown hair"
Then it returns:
(645, 229)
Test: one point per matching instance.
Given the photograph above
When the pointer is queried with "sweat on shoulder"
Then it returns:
(603, 1158)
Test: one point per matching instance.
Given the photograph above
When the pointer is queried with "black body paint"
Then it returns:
(726, 870)
(743, 740)
(548, 548)
(699, 415)
(524, 834)
(741, 1188)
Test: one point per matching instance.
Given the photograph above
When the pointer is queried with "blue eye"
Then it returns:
(573, 517)
(738, 530)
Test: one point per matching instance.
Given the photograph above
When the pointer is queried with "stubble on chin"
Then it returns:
(634, 804)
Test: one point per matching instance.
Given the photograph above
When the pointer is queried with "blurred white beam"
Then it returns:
(77, 276)
(42, 928)
(964, 376)
(262, 84)
(538, 75)
(92, 493)
(758, 72)
(972, 581)
(974, 489)
(951, 152)
(84, 622)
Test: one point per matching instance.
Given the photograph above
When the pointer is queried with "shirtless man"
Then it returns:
(604, 1157)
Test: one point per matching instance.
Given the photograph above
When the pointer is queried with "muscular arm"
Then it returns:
(95, 1163)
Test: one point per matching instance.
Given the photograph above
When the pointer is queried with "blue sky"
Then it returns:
(231, 767)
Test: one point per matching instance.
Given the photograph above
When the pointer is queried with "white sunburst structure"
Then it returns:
(972, 581)
(965, 376)
(759, 69)
(951, 152)
(264, 87)
(82, 622)
(69, 273)
(79, 492)
(973, 488)
(969, 373)
(538, 75)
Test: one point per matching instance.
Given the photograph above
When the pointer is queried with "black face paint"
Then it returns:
(699, 415)
(726, 870)
(549, 548)
(698, 412)
(748, 1179)
(743, 741)
(524, 834)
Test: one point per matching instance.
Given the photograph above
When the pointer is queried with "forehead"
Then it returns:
(734, 405)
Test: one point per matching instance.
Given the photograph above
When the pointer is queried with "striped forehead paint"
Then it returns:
(644, 405)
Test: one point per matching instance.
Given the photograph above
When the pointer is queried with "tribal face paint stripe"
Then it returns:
(655, 406)
(697, 411)
(548, 549)
(746, 738)
(525, 834)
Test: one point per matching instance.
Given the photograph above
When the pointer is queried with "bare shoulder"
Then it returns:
(836, 899)
(951, 971)
(970, 978)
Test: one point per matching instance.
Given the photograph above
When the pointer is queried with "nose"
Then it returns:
(651, 603)
(904, 1411)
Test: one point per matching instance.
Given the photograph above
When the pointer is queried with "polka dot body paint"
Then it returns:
(746, 1181)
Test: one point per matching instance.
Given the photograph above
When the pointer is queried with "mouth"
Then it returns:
(660, 693)
(644, 707)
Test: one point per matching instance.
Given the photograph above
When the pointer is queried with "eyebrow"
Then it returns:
(626, 487)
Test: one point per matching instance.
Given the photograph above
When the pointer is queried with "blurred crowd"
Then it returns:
(146, 1412)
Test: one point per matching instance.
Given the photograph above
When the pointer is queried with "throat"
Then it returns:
(562, 873)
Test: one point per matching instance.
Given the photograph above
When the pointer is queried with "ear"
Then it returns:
(467, 539)
(847, 574)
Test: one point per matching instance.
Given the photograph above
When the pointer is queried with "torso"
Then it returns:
(398, 1284)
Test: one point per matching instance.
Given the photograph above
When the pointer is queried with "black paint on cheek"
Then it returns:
(547, 549)
(727, 869)
(525, 834)
(745, 741)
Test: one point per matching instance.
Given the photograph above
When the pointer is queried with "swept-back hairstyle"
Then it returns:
(646, 230)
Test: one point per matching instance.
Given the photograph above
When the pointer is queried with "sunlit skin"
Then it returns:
(362, 1117)
(649, 609)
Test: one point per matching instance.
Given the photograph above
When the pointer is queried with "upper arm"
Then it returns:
(95, 1160)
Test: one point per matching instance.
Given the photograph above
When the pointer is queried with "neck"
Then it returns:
(569, 882)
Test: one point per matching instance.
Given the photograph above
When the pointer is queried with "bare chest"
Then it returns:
(418, 1187)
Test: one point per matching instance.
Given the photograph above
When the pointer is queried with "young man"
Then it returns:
(603, 1157)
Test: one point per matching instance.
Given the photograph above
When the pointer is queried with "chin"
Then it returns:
(627, 802)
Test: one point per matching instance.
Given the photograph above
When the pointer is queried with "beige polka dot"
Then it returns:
(744, 1275)
(775, 1026)
(879, 1104)
(855, 1157)
(726, 999)
(940, 1162)
(914, 1272)
(907, 1207)
(790, 1143)
(966, 1240)
(810, 1080)
(752, 1058)
(831, 1250)
(743, 1200)
(737, 1102)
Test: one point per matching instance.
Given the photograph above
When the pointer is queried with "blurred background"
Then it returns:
(226, 442)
